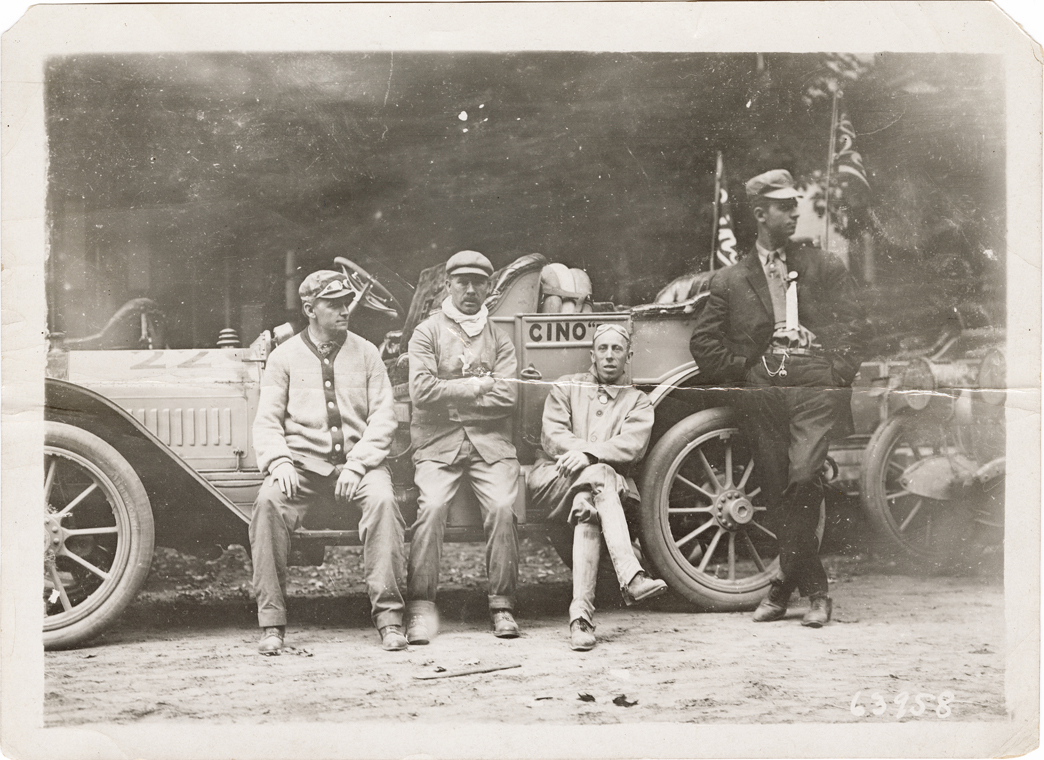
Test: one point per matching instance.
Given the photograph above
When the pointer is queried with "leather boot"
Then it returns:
(272, 640)
(504, 625)
(392, 638)
(818, 615)
(643, 587)
(774, 605)
(581, 635)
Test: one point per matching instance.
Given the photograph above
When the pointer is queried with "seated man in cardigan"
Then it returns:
(594, 431)
(324, 426)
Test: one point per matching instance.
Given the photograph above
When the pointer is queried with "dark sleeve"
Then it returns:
(707, 345)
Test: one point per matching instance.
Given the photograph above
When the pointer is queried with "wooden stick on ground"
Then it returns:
(465, 672)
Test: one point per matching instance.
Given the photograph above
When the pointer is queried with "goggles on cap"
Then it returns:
(325, 284)
(615, 327)
(335, 289)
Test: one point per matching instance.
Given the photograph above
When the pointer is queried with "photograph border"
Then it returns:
(941, 27)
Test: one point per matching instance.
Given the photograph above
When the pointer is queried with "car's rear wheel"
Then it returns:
(703, 524)
(950, 534)
(98, 535)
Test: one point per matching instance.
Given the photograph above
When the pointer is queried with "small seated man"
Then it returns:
(324, 426)
(593, 432)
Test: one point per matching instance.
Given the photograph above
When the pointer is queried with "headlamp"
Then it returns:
(917, 384)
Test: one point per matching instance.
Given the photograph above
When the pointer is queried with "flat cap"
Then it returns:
(325, 283)
(776, 184)
(468, 262)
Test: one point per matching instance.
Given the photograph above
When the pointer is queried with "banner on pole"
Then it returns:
(725, 239)
(847, 161)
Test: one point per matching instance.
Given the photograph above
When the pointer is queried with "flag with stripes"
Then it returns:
(847, 161)
(725, 239)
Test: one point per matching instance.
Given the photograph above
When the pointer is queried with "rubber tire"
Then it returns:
(873, 489)
(659, 557)
(126, 493)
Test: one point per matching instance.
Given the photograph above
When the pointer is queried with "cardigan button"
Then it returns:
(328, 384)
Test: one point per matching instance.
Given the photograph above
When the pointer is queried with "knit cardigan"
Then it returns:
(294, 415)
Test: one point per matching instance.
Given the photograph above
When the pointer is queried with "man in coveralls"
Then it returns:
(594, 430)
(462, 384)
(324, 426)
(784, 323)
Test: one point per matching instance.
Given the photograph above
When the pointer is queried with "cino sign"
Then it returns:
(562, 331)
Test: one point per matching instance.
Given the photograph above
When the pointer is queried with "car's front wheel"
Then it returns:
(703, 523)
(98, 535)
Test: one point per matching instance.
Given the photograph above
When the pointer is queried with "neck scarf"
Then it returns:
(471, 324)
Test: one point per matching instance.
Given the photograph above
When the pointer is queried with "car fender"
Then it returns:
(166, 476)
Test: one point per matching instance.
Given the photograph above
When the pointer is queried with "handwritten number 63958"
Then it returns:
(921, 702)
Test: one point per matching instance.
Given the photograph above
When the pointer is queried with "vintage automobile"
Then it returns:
(150, 445)
(934, 470)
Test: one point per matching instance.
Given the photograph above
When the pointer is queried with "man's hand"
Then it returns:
(347, 484)
(572, 462)
(285, 475)
(483, 384)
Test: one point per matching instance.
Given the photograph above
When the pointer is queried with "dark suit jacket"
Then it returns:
(736, 324)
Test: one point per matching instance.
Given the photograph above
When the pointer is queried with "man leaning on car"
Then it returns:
(323, 429)
(785, 324)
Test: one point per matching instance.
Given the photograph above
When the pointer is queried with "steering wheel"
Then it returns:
(378, 297)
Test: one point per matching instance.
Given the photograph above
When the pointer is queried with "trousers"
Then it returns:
(381, 528)
(602, 487)
(790, 417)
(495, 485)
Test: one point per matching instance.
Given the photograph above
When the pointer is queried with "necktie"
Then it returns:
(777, 287)
(783, 290)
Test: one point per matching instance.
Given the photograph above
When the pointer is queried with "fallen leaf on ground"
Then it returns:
(623, 701)
(585, 697)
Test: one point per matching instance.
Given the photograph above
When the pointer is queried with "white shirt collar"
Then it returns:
(764, 253)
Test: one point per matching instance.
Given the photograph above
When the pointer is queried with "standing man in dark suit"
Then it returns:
(784, 323)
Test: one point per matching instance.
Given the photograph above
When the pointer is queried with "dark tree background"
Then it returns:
(205, 182)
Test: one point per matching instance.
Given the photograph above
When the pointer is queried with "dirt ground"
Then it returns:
(185, 651)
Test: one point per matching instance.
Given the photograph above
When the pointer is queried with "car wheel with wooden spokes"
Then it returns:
(98, 535)
(704, 526)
